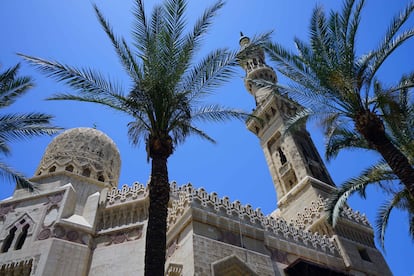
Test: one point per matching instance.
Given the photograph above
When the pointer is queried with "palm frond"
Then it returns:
(15, 127)
(113, 101)
(341, 138)
(141, 30)
(217, 113)
(201, 27)
(214, 70)
(319, 38)
(9, 174)
(352, 28)
(374, 174)
(391, 42)
(13, 86)
(137, 130)
(384, 212)
(82, 80)
(131, 66)
(190, 130)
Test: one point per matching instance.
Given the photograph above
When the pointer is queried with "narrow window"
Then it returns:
(22, 237)
(282, 156)
(364, 254)
(52, 169)
(101, 178)
(86, 172)
(9, 239)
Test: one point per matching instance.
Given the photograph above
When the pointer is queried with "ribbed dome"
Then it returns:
(82, 151)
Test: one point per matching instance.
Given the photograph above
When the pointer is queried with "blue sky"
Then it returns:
(69, 32)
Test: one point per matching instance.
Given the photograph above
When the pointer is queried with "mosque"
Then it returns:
(81, 223)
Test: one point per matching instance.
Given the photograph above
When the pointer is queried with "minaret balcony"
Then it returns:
(284, 169)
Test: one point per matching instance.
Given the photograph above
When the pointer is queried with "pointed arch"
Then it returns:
(231, 266)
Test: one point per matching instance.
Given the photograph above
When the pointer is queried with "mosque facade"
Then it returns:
(80, 223)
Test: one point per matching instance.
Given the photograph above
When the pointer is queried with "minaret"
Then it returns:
(299, 176)
(297, 170)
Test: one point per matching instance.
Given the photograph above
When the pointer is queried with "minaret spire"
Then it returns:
(292, 158)
(256, 68)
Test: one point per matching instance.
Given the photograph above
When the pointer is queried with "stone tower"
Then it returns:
(300, 178)
(297, 170)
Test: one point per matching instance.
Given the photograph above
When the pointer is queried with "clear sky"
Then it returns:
(69, 32)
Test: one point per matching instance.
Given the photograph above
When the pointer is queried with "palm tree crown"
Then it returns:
(168, 85)
(18, 126)
(397, 111)
(337, 87)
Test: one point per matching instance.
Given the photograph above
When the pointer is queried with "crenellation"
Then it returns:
(126, 193)
(316, 209)
(235, 210)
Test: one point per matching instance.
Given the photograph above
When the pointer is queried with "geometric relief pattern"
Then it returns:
(317, 208)
(186, 196)
(64, 233)
(126, 193)
(118, 237)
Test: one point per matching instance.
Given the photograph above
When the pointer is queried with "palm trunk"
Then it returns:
(398, 162)
(159, 195)
(372, 128)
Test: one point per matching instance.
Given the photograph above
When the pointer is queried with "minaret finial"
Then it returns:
(244, 40)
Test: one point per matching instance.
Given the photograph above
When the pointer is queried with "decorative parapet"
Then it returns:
(355, 216)
(309, 214)
(126, 193)
(174, 270)
(186, 196)
(316, 210)
(18, 267)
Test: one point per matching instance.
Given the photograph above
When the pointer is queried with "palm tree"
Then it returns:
(164, 101)
(17, 126)
(396, 109)
(336, 86)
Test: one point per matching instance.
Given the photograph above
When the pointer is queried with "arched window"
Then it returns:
(9, 239)
(69, 168)
(22, 237)
(86, 172)
(52, 169)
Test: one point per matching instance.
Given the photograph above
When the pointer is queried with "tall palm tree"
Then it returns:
(336, 86)
(396, 108)
(164, 101)
(18, 126)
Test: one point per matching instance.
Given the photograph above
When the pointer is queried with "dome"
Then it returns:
(82, 151)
